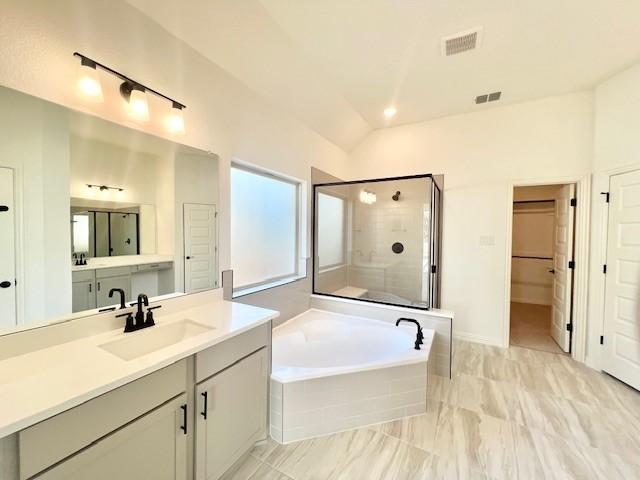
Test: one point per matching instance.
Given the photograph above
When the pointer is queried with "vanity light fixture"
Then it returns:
(135, 93)
(105, 188)
(367, 197)
(88, 81)
(136, 98)
(175, 120)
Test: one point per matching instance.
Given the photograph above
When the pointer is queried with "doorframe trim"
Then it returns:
(581, 272)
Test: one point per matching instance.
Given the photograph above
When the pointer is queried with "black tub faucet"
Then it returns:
(419, 334)
(121, 292)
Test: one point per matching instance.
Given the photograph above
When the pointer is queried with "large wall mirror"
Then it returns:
(88, 206)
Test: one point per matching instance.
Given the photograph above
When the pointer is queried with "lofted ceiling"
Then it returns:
(337, 64)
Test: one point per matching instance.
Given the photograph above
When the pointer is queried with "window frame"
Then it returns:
(299, 270)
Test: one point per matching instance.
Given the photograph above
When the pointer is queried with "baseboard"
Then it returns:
(472, 337)
(530, 301)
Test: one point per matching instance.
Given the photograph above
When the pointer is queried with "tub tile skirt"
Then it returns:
(321, 406)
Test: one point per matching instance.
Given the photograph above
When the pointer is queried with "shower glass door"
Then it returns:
(378, 240)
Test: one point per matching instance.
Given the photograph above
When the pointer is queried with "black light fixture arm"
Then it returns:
(92, 63)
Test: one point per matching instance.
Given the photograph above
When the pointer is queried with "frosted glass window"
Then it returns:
(264, 228)
(331, 241)
(81, 233)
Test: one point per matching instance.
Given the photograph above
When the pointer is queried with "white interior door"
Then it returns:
(563, 275)
(200, 268)
(622, 298)
(7, 250)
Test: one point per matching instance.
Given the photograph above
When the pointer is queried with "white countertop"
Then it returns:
(121, 261)
(40, 384)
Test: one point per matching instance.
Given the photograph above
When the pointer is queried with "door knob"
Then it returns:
(551, 271)
(188, 257)
(5, 284)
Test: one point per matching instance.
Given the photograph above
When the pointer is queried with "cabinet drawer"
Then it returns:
(154, 266)
(56, 438)
(216, 358)
(112, 272)
(83, 276)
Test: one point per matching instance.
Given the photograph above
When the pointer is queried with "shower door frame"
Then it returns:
(314, 236)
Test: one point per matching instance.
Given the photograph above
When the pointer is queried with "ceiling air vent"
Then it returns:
(461, 42)
(488, 97)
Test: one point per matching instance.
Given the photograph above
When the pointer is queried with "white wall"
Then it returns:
(481, 154)
(616, 150)
(34, 140)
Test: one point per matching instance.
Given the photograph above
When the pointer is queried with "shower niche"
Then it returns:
(379, 240)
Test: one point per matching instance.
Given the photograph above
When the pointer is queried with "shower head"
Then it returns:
(396, 197)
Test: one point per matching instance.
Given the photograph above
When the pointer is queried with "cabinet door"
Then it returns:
(235, 416)
(152, 447)
(106, 284)
(83, 295)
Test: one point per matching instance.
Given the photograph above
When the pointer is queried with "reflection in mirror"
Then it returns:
(379, 240)
(94, 206)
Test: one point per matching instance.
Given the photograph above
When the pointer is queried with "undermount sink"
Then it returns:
(146, 341)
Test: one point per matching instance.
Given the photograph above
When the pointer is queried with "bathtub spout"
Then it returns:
(419, 334)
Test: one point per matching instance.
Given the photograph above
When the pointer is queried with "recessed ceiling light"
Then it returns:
(390, 112)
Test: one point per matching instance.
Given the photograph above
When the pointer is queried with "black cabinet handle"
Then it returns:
(183, 427)
(4, 208)
(90, 288)
(5, 284)
(206, 398)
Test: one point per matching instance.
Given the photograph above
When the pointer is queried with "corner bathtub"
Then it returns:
(334, 372)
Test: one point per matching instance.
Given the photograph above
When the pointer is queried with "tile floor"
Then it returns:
(530, 327)
(508, 414)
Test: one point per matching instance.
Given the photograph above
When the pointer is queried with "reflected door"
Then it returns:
(7, 250)
(200, 269)
(622, 299)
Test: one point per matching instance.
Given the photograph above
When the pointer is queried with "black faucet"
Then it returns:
(419, 334)
(121, 292)
(142, 300)
(140, 320)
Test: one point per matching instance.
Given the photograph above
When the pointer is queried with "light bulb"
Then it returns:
(175, 120)
(390, 111)
(89, 82)
(138, 106)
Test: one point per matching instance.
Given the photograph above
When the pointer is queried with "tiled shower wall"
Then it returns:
(378, 226)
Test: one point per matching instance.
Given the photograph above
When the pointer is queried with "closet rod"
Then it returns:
(533, 201)
(532, 258)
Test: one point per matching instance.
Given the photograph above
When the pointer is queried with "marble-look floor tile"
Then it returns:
(489, 397)
(452, 470)
(265, 472)
(418, 431)
(244, 470)
(478, 442)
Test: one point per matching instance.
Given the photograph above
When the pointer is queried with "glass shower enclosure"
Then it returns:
(379, 240)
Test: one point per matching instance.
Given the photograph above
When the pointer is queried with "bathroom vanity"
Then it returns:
(184, 399)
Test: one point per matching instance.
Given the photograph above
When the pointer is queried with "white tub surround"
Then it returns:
(440, 321)
(334, 372)
(47, 376)
(121, 261)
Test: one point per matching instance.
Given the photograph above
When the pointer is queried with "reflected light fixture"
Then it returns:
(390, 111)
(367, 197)
(175, 120)
(104, 188)
(134, 93)
(88, 81)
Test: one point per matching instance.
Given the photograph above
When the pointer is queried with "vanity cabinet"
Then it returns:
(83, 291)
(153, 447)
(231, 413)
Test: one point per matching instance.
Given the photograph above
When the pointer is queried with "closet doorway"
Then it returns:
(542, 267)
